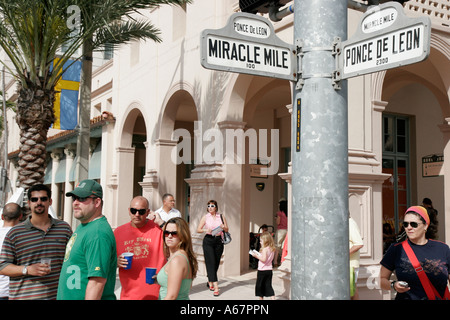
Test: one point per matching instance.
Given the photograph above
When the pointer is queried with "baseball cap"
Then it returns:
(86, 188)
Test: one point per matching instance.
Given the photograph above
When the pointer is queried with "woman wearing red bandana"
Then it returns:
(433, 257)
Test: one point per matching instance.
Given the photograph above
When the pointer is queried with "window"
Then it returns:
(396, 190)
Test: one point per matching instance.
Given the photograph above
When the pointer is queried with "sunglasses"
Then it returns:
(211, 205)
(172, 233)
(81, 199)
(141, 211)
(413, 224)
(35, 199)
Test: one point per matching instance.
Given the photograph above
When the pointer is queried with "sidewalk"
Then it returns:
(234, 288)
(231, 288)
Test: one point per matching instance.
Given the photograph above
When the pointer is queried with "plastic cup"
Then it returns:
(47, 261)
(129, 257)
(149, 273)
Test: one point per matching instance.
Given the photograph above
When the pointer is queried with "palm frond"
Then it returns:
(124, 32)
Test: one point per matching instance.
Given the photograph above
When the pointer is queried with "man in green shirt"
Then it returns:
(89, 268)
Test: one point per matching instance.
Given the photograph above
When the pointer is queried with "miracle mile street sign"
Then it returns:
(248, 44)
(386, 38)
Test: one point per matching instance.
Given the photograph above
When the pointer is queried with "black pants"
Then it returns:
(263, 286)
(212, 250)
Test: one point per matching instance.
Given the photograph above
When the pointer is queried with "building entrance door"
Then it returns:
(396, 189)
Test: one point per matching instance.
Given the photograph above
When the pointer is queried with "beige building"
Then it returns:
(148, 95)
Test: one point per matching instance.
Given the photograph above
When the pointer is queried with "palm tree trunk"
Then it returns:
(35, 115)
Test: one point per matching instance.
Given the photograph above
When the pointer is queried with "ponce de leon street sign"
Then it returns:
(248, 44)
(386, 38)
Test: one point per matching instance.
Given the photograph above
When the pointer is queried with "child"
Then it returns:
(263, 286)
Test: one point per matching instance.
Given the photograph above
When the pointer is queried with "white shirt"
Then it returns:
(4, 280)
(173, 213)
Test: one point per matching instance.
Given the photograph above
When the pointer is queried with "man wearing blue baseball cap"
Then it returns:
(89, 268)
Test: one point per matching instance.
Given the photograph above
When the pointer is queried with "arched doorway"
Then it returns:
(266, 114)
(131, 159)
(414, 130)
(180, 114)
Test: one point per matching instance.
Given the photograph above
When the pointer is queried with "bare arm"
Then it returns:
(201, 225)
(156, 218)
(385, 283)
(94, 289)
(262, 257)
(354, 249)
(37, 269)
(175, 274)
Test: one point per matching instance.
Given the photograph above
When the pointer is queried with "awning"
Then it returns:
(60, 177)
(95, 165)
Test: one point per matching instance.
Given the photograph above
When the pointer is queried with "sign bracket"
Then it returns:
(335, 49)
(299, 53)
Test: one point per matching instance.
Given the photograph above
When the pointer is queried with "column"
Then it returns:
(70, 156)
(125, 157)
(56, 155)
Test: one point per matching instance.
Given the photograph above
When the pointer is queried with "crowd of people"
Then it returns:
(42, 258)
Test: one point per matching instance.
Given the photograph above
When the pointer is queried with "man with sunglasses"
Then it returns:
(89, 268)
(142, 236)
(39, 236)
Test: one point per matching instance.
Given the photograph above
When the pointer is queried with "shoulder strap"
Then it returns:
(426, 284)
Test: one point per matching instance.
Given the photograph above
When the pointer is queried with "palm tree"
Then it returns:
(32, 33)
(109, 22)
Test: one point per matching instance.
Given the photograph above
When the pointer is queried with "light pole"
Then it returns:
(320, 250)
(319, 240)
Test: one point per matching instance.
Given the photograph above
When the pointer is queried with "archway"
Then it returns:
(415, 136)
(131, 158)
(180, 114)
(258, 107)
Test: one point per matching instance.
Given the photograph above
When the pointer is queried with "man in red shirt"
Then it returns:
(142, 236)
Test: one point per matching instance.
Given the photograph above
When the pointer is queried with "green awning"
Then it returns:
(60, 177)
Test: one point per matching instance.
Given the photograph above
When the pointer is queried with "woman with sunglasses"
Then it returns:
(213, 223)
(433, 256)
(176, 277)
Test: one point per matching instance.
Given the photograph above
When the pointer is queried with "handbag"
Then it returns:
(226, 236)
(430, 290)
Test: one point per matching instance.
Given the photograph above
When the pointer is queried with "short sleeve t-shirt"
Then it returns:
(146, 244)
(24, 245)
(91, 252)
(434, 257)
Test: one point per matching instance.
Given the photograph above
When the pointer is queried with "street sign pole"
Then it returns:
(320, 251)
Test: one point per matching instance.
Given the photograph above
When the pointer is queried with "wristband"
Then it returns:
(392, 285)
